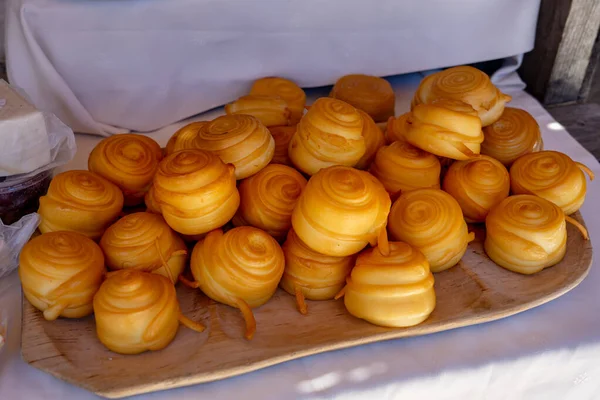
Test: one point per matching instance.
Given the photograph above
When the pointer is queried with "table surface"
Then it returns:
(550, 352)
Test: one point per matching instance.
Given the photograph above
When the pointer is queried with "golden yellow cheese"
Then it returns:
(293, 95)
(477, 185)
(60, 272)
(372, 94)
(396, 128)
(269, 110)
(282, 136)
(150, 201)
(516, 133)
(80, 201)
(374, 140)
(145, 242)
(467, 84)
(526, 233)
(240, 268)
(268, 199)
(330, 133)
(401, 166)
(184, 138)
(553, 176)
(394, 290)
(195, 191)
(241, 140)
(129, 161)
(341, 210)
(136, 311)
(432, 221)
(312, 275)
(446, 128)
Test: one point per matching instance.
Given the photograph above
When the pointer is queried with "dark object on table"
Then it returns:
(20, 195)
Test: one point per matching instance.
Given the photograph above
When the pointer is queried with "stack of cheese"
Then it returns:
(271, 194)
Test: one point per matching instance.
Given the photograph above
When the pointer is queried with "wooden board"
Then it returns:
(473, 292)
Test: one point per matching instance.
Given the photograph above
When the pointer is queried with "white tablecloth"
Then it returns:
(550, 352)
(106, 66)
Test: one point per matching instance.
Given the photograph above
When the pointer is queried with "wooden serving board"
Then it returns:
(473, 292)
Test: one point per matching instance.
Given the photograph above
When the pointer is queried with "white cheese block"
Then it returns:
(24, 144)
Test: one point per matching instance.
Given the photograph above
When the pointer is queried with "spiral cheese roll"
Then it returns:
(60, 272)
(185, 137)
(241, 140)
(374, 140)
(330, 133)
(397, 128)
(477, 185)
(80, 201)
(432, 221)
(553, 176)
(526, 234)
(466, 84)
(195, 191)
(401, 166)
(394, 290)
(340, 211)
(371, 94)
(269, 197)
(136, 311)
(269, 110)
(446, 128)
(312, 275)
(240, 268)
(516, 133)
(129, 161)
(282, 136)
(145, 242)
(150, 200)
(293, 95)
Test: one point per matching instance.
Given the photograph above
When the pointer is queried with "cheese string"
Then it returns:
(586, 170)
(195, 326)
(340, 294)
(579, 226)
(300, 300)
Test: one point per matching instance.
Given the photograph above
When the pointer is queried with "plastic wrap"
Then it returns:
(12, 239)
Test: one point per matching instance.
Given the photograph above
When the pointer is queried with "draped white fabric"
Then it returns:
(549, 352)
(105, 66)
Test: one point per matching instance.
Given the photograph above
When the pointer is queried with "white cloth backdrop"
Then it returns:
(107, 66)
(547, 353)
